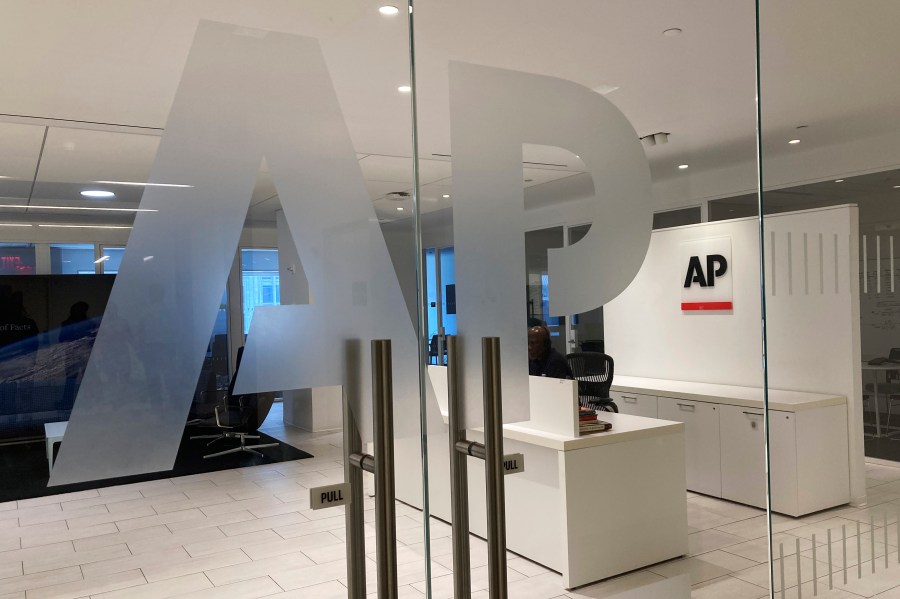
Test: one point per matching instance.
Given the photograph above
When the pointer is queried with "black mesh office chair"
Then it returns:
(594, 373)
(437, 350)
(239, 417)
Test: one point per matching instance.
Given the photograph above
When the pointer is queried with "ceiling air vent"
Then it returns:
(655, 139)
(397, 196)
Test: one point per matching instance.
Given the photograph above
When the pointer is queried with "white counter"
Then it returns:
(724, 435)
(589, 507)
(749, 397)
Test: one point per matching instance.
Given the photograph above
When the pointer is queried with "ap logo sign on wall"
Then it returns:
(706, 275)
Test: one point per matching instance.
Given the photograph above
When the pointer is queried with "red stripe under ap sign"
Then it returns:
(689, 306)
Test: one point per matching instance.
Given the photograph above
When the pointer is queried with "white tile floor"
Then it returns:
(249, 533)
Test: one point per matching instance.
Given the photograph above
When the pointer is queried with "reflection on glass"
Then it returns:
(448, 291)
(586, 332)
(538, 297)
(17, 259)
(259, 281)
(676, 218)
(72, 259)
(112, 258)
(440, 281)
(48, 324)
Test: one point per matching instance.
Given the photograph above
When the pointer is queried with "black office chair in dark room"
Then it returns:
(239, 417)
(594, 373)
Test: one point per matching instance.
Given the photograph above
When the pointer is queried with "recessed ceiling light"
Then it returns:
(446, 195)
(838, 180)
(5, 177)
(404, 89)
(389, 10)
(399, 208)
(682, 166)
(794, 141)
(15, 225)
(896, 186)
(97, 193)
(40, 207)
(148, 258)
(137, 184)
(672, 32)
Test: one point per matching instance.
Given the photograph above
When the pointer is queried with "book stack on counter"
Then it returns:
(588, 423)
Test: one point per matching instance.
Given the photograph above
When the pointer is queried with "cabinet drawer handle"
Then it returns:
(686, 407)
(629, 399)
(754, 414)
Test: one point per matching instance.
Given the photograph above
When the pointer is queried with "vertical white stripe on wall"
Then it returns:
(772, 256)
(790, 262)
(891, 261)
(865, 265)
(805, 264)
(837, 286)
(878, 264)
(821, 264)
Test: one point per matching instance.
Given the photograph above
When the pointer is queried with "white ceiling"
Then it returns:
(98, 78)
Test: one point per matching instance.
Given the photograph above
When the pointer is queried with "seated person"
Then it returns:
(543, 360)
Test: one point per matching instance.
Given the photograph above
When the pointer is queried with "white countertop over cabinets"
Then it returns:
(724, 438)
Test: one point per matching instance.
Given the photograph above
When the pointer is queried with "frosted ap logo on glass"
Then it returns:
(154, 335)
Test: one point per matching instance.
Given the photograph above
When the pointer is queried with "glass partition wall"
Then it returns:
(549, 140)
(218, 162)
(829, 158)
(583, 184)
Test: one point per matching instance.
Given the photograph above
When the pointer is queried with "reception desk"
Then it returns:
(589, 507)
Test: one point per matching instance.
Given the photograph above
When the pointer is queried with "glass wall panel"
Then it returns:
(538, 294)
(17, 259)
(291, 157)
(448, 290)
(573, 152)
(586, 330)
(247, 174)
(259, 281)
(112, 259)
(72, 259)
(676, 218)
(830, 156)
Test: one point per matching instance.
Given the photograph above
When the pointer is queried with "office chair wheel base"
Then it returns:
(243, 448)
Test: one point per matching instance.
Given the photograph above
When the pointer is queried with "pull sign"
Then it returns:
(513, 463)
(329, 496)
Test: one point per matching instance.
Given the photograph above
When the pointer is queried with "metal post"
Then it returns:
(459, 479)
(493, 468)
(385, 516)
(354, 519)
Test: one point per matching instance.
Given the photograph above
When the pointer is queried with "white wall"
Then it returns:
(812, 303)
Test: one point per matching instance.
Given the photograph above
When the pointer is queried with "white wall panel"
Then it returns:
(813, 337)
